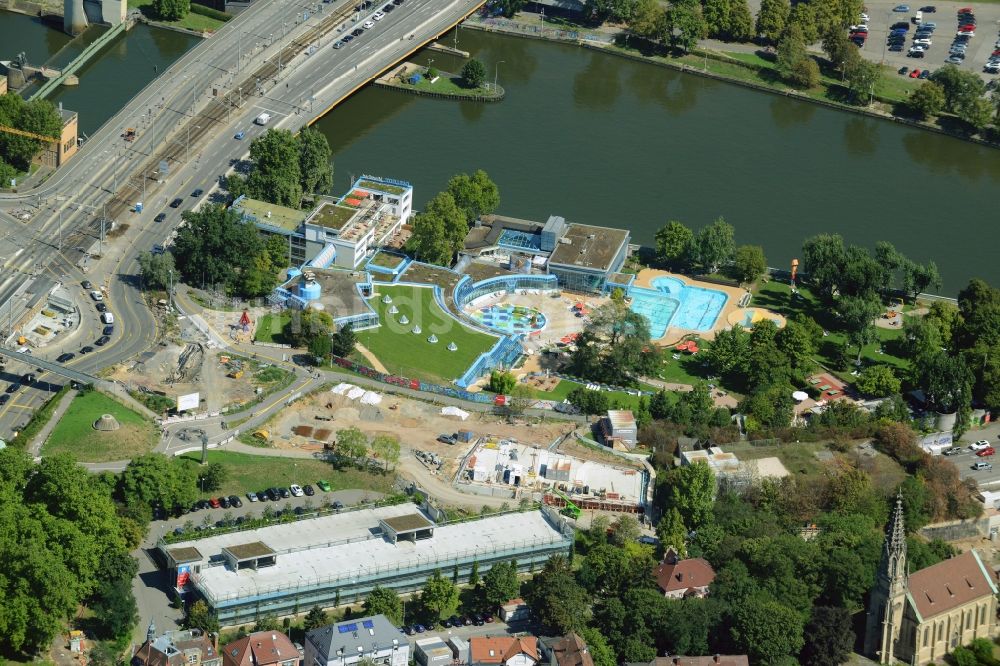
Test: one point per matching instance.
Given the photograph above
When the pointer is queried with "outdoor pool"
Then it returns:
(510, 319)
(673, 303)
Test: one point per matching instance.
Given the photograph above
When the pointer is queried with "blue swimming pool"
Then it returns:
(671, 302)
(511, 319)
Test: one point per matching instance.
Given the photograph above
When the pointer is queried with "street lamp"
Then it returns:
(496, 69)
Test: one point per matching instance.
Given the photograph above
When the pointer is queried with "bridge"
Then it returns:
(50, 366)
(93, 49)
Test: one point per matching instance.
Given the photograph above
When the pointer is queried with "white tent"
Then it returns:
(433, 339)
(454, 411)
(386, 299)
(355, 393)
(342, 388)
(371, 398)
(404, 320)
(452, 346)
(416, 330)
(393, 310)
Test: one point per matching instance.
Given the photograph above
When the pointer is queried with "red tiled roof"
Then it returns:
(684, 574)
(498, 649)
(571, 650)
(949, 584)
(259, 649)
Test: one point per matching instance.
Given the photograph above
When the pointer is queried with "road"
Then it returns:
(257, 62)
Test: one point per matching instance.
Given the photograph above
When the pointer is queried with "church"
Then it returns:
(918, 618)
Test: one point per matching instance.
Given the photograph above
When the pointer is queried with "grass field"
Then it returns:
(192, 21)
(271, 328)
(245, 472)
(75, 434)
(411, 355)
(449, 84)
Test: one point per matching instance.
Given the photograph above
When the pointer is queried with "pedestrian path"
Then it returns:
(35, 447)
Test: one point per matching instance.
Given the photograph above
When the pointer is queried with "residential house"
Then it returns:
(503, 650)
(568, 650)
(261, 648)
(682, 578)
(347, 643)
(192, 647)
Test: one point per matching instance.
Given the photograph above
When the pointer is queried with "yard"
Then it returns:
(75, 433)
(410, 354)
(192, 21)
(271, 328)
(246, 472)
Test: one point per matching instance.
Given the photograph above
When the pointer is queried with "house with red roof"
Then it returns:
(683, 578)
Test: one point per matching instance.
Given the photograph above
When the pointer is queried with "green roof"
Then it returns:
(381, 187)
(332, 216)
(280, 216)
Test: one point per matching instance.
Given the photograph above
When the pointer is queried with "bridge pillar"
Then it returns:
(74, 17)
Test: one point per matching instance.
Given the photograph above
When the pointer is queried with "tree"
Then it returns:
(500, 584)
(729, 353)
(211, 477)
(38, 116)
(648, 20)
(674, 244)
(315, 618)
(829, 637)
(386, 449)
(439, 230)
(615, 346)
(115, 608)
(862, 76)
(715, 245)
(304, 326)
(474, 73)
(156, 269)
(749, 263)
(342, 342)
(824, 257)
(793, 63)
(691, 492)
(927, 100)
(439, 597)
(511, 7)
(597, 646)
(772, 18)
(277, 172)
(741, 24)
(476, 195)
(171, 10)
(200, 617)
(716, 13)
(153, 479)
(978, 113)
(770, 407)
(960, 87)
(685, 24)
(765, 629)
(878, 381)
(671, 531)
(315, 161)
(838, 48)
(474, 574)
(502, 382)
(857, 314)
(918, 278)
(352, 444)
(625, 530)
(557, 601)
(320, 346)
(383, 601)
(216, 248)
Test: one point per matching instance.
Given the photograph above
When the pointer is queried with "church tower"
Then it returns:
(885, 607)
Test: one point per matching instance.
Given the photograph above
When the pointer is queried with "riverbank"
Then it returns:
(747, 69)
(412, 79)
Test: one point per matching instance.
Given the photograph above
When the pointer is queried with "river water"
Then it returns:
(608, 141)
(106, 82)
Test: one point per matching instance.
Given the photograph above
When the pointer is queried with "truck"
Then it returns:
(263, 119)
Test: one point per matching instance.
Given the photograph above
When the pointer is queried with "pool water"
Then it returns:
(510, 319)
(671, 302)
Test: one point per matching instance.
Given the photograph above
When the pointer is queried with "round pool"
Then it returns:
(510, 319)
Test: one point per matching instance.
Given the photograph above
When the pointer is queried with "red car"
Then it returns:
(214, 501)
(988, 451)
(965, 10)
(915, 74)
(966, 28)
(996, 53)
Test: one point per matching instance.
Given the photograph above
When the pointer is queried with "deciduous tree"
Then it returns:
(277, 173)
(715, 244)
(439, 597)
(386, 602)
(878, 381)
(500, 584)
(315, 161)
(772, 18)
(749, 263)
(829, 637)
(156, 269)
(674, 244)
(474, 73)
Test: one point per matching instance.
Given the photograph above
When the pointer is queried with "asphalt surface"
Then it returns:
(109, 171)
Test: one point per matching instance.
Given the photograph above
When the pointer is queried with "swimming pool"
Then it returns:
(511, 319)
(671, 302)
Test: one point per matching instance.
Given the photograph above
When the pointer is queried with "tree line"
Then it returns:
(439, 229)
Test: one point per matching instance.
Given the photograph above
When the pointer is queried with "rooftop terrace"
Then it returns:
(590, 247)
(272, 215)
(380, 186)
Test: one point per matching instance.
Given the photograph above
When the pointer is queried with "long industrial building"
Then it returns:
(288, 568)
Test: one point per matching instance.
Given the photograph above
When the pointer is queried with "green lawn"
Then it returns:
(449, 84)
(75, 433)
(271, 328)
(563, 388)
(411, 355)
(192, 21)
(245, 472)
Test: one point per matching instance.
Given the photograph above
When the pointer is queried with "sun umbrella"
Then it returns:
(799, 396)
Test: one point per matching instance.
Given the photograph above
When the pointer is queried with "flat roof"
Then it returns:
(589, 247)
(332, 216)
(378, 186)
(368, 558)
(487, 233)
(408, 523)
(184, 555)
(291, 536)
(338, 293)
(280, 216)
(248, 551)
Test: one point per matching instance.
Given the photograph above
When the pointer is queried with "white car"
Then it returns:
(96, 295)
(378, 16)
(971, 33)
(922, 42)
(979, 446)
(864, 17)
(368, 25)
(296, 490)
(918, 48)
(997, 45)
(992, 68)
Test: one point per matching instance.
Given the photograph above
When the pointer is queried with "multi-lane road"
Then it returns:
(188, 116)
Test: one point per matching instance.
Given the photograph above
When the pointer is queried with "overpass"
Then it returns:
(53, 367)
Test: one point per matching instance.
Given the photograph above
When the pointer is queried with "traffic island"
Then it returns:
(419, 80)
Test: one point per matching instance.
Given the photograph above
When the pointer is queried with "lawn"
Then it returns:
(449, 84)
(271, 328)
(192, 21)
(563, 388)
(246, 472)
(75, 433)
(411, 355)
(798, 458)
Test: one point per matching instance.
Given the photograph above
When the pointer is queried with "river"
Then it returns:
(106, 82)
(604, 140)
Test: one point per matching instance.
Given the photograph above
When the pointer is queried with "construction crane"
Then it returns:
(30, 135)
(571, 510)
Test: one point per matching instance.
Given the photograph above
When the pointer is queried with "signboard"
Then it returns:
(183, 574)
(188, 401)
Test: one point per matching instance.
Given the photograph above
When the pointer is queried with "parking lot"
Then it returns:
(988, 479)
(980, 47)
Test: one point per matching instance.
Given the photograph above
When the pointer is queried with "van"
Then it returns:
(107, 318)
(982, 465)
(918, 17)
(263, 119)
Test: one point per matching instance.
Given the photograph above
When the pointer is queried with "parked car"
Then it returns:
(14, 388)
(338, 44)
(323, 485)
(197, 193)
(308, 490)
(68, 356)
(214, 502)
(108, 330)
(925, 74)
(296, 490)
(86, 284)
(252, 497)
(86, 350)
(224, 502)
(261, 496)
(928, 9)
(101, 341)
(378, 16)
(273, 494)
(979, 445)
(97, 295)
(408, 630)
(982, 464)
(235, 501)
(285, 494)
(337, 504)
(988, 451)
(954, 59)
(368, 25)
(357, 32)
(901, 8)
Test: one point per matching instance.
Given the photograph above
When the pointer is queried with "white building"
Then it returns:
(620, 430)
(432, 652)
(347, 643)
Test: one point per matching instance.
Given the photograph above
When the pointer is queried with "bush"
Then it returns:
(210, 13)
(474, 73)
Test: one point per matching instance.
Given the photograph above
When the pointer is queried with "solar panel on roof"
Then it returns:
(367, 624)
(347, 628)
